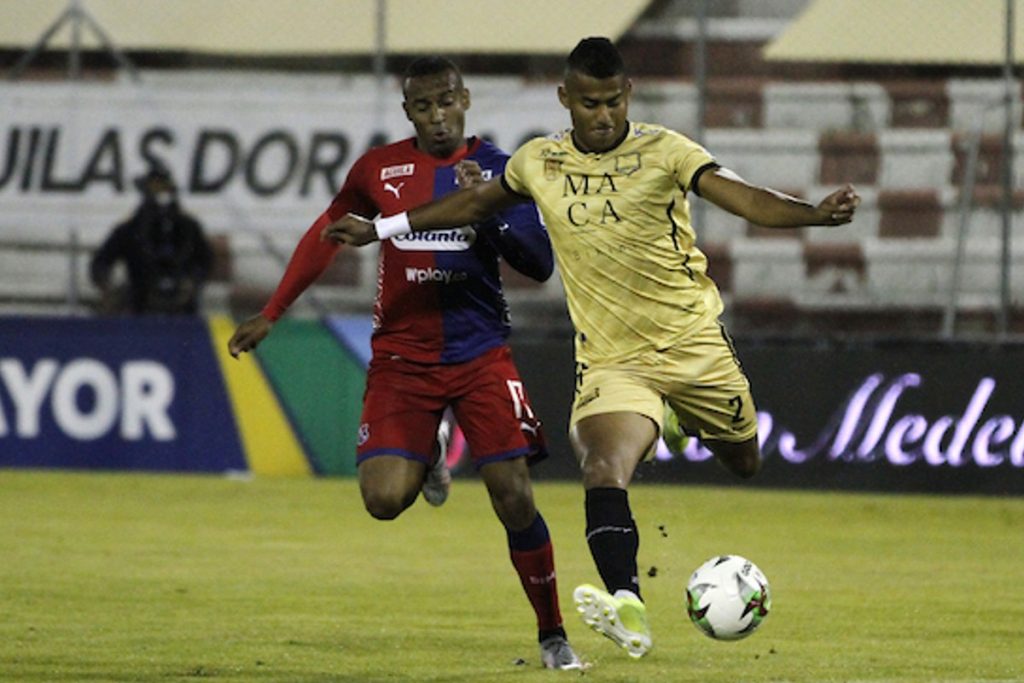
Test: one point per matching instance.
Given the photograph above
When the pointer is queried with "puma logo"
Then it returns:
(392, 188)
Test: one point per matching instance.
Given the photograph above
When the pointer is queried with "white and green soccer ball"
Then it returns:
(728, 597)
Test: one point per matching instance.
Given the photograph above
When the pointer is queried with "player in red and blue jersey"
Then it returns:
(441, 324)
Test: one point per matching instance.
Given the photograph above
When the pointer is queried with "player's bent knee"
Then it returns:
(385, 507)
(742, 459)
(747, 467)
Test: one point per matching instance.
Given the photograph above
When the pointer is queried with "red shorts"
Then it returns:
(404, 402)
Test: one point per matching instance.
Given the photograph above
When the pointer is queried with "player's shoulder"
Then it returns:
(386, 161)
(387, 153)
(661, 145)
(656, 133)
(488, 153)
(483, 146)
(546, 146)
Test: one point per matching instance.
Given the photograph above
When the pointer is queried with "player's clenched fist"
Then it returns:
(350, 229)
(838, 208)
(468, 173)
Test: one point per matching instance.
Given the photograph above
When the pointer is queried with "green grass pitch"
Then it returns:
(115, 577)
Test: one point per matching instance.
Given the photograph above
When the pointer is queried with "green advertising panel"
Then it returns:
(321, 386)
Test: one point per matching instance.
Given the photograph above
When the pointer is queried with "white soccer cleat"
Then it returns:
(622, 618)
(438, 481)
(556, 653)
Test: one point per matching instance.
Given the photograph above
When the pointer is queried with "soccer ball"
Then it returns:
(728, 597)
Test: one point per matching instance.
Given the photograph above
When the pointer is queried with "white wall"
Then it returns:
(255, 151)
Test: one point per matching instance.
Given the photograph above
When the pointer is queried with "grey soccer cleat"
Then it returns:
(556, 653)
(438, 481)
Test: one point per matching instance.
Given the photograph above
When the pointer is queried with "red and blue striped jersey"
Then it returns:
(439, 293)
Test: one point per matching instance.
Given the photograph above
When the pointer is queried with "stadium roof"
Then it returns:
(323, 27)
(961, 32)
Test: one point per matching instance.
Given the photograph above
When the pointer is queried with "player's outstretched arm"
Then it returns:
(248, 335)
(469, 205)
(774, 209)
(309, 260)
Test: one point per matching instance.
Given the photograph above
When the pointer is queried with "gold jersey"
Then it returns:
(619, 221)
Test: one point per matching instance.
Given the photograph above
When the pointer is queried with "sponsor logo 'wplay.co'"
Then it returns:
(425, 275)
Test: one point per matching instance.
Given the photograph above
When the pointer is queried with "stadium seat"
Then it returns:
(766, 269)
(914, 159)
(836, 269)
(670, 103)
(918, 103)
(826, 106)
(975, 102)
(777, 157)
(908, 272)
(849, 157)
(989, 167)
(734, 103)
(909, 213)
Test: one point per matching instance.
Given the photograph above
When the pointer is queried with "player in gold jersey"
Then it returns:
(613, 194)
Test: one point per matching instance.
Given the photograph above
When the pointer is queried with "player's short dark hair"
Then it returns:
(428, 66)
(597, 57)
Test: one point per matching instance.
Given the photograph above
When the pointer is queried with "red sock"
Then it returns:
(534, 560)
(537, 573)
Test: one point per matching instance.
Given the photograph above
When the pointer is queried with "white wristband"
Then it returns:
(392, 226)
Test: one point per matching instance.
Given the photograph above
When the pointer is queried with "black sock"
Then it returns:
(613, 538)
(544, 634)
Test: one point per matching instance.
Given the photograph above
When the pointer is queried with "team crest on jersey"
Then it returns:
(364, 434)
(552, 169)
(397, 171)
(457, 239)
(627, 164)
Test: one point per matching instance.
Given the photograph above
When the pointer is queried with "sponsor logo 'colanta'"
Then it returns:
(459, 239)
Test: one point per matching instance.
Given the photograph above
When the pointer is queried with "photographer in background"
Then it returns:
(164, 251)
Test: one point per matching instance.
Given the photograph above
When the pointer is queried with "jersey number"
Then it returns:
(519, 402)
(737, 403)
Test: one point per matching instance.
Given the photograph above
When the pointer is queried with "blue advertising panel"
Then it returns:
(137, 394)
